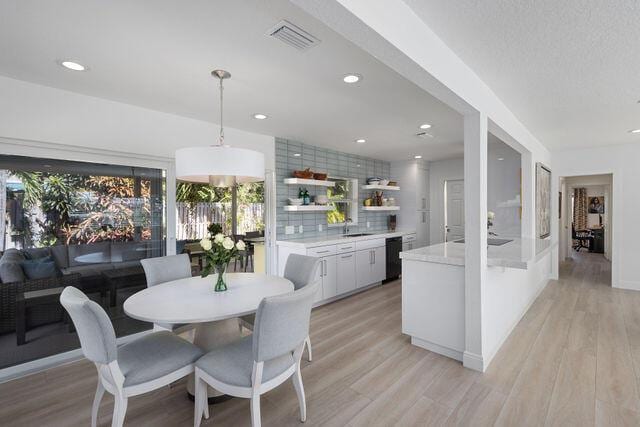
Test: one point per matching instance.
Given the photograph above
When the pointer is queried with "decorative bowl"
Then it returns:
(305, 174)
(321, 199)
(296, 202)
(319, 176)
(384, 182)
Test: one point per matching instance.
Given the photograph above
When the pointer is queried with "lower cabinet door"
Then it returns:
(379, 272)
(329, 280)
(364, 267)
(346, 272)
(318, 278)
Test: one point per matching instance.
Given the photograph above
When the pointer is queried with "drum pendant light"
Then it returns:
(219, 165)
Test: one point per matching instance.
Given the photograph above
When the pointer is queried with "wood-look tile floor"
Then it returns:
(574, 359)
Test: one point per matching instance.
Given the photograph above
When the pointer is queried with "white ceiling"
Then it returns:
(567, 69)
(158, 54)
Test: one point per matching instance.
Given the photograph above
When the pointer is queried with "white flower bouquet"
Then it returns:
(218, 251)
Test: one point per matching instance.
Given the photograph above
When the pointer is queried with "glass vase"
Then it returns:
(221, 285)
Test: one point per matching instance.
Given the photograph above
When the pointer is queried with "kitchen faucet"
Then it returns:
(345, 229)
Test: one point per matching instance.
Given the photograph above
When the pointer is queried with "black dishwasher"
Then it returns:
(394, 264)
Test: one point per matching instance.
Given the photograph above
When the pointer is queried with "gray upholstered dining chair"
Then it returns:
(262, 361)
(148, 363)
(301, 270)
(165, 269)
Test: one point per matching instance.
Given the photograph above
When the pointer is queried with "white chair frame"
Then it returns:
(111, 379)
(257, 388)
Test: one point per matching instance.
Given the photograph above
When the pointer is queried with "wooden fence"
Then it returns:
(192, 223)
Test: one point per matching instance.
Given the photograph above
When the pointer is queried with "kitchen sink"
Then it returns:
(357, 235)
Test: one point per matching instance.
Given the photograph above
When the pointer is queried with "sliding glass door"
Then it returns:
(72, 223)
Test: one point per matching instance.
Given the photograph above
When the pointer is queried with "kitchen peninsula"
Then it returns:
(433, 292)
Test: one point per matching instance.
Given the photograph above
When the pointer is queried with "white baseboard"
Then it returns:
(436, 348)
(627, 284)
(473, 361)
(494, 351)
(39, 365)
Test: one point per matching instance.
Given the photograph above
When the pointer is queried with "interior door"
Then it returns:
(454, 213)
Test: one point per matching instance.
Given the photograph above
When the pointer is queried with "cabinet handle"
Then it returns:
(348, 247)
(322, 252)
(346, 256)
(424, 217)
(325, 268)
(374, 256)
(370, 258)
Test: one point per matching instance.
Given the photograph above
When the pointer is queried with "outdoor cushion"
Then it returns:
(10, 268)
(40, 268)
(60, 255)
(233, 363)
(36, 253)
(155, 355)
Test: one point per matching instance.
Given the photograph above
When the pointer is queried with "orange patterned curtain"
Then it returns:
(580, 208)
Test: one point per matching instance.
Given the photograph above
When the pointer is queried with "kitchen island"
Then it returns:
(433, 293)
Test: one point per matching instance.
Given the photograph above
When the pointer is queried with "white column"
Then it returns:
(528, 197)
(475, 234)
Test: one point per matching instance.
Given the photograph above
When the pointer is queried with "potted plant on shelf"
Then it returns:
(218, 251)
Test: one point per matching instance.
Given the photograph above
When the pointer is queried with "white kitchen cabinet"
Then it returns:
(370, 266)
(329, 279)
(379, 266)
(346, 272)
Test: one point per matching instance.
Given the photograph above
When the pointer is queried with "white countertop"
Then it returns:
(313, 242)
(519, 253)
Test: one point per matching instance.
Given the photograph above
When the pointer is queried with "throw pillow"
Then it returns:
(42, 268)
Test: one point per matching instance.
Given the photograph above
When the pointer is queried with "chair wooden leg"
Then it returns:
(255, 410)
(119, 411)
(297, 384)
(96, 403)
(198, 401)
(307, 342)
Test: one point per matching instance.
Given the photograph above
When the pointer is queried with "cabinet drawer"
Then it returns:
(409, 238)
(370, 244)
(346, 247)
(322, 251)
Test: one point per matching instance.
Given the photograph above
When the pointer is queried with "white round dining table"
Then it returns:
(215, 314)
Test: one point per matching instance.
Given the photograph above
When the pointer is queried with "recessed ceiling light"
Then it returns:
(71, 65)
(501, 158)
(361, 141)
(425, 126)
(297, 154)
(417, 157)
(635, 131)
(352, 78)
(357, 166)
(259, 116)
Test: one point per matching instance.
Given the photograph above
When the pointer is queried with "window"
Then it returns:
(70, 223)
(343, 201)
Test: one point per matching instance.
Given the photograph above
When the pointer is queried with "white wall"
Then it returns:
(439, 172)
(622, 162)
(39, 113)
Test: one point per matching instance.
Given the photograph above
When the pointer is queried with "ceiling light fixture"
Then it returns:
(74, 66)
(352, 78)
(417, 157)
(361, 141)
(501, 158)
(259, 116)
(297, 154)
(634, 131)
(425, 126)
(219, 165)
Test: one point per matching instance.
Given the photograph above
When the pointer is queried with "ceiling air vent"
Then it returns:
(293, 35)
